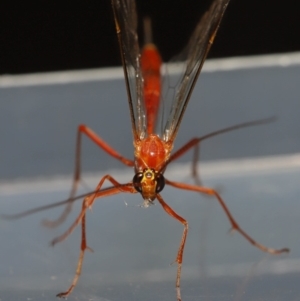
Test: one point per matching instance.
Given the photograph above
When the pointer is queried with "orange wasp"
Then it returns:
(152, 147)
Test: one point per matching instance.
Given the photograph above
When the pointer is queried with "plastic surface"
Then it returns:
(134, 246)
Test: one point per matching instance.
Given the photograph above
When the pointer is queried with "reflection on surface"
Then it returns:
(134, 246)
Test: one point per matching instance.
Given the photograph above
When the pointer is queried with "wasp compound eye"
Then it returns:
(137, 179)
(160, 183)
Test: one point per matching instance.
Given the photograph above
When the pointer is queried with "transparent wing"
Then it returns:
(126, 27)
(197, 50)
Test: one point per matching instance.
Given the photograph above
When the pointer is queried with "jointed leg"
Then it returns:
(233, 222)
(82, 129)
(172, 213)
(80, 260)
(87, 203)
(194, 143)
(195, 172)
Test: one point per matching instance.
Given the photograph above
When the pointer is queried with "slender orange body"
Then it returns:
(151, 63)
(151, 153)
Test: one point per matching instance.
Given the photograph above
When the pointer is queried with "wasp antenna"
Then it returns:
(43, 208)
